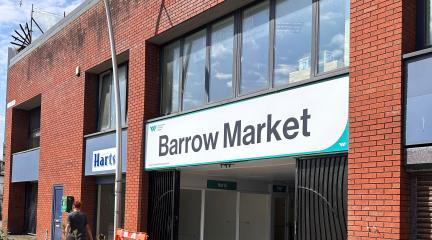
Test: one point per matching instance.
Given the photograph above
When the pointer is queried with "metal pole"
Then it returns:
(118, 175)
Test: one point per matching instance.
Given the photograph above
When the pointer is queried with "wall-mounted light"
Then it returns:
(77, 71)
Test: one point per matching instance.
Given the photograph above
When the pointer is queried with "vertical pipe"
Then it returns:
(118, 173)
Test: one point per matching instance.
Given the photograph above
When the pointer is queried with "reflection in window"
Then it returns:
(194, 67)
(105, 102)
(122, 76)
(106, 115)
(221, 60)
(255, 48)
(333, 34)
(171, 78)
(292, 41)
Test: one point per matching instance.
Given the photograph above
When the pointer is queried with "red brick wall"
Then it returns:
(378, 189)
(377, 183)
(49, 70)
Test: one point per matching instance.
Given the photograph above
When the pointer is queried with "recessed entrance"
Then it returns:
(253, 200)
(105, 210)
(239, 201)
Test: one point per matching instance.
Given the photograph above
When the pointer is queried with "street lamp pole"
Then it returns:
(118, 173)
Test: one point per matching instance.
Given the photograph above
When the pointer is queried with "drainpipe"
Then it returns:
(118, 173)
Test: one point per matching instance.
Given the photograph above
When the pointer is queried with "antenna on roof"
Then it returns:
(24, 36)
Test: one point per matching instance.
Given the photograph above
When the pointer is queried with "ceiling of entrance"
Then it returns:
(269, 170)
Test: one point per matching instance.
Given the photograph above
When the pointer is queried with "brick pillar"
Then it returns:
(378, 187)
(14, 193)
(142, 104)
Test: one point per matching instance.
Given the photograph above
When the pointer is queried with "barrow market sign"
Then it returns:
(312, 119)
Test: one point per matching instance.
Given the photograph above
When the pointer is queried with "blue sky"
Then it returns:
(14, 12)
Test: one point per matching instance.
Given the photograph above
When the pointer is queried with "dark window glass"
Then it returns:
(106, 117)
(122, 74)
(255, 48)
(105, 102)
(171, 78)
(221, 60)
(34, 128)
(292, 41)
(194, 70)
(428, 23)
(333, 34)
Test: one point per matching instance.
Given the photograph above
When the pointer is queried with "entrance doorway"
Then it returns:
(31, 189)
(254, 200)
(56, 213)
(242, 201)
(105, 210)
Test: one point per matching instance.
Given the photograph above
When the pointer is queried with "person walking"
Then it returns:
(77, 227)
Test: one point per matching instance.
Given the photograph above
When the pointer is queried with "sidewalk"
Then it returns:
(22, 237)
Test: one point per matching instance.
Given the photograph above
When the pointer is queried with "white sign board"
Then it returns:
(10, 104)
(311, 119)
(104, 159)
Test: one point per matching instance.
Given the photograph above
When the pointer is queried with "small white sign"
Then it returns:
(11, 104)
(104, 160)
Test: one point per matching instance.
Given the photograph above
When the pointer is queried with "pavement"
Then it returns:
(22, 237)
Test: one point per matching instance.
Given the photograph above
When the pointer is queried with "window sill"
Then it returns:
(25, 151)
(418, 53)
(103, 132)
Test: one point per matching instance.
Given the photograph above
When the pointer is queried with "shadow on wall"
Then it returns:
(161, 10)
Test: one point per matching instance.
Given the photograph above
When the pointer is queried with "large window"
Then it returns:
(271, 44)
(255, 48)
(194, 63)
(333, 34)
(171, 77)
(106, 116)
(292, 41)
(221, 60)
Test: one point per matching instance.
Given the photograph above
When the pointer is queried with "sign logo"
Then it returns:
(156, 128)
(104, 160)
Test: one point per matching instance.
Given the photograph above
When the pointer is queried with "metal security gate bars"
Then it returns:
(321, 198)
(163, 205)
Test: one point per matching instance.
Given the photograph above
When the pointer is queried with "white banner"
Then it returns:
(306, 120)
(104, 159)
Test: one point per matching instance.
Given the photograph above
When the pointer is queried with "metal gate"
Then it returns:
(163, 205)
(321, 198)
(421, 198)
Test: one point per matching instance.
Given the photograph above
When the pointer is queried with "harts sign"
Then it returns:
(104, 159)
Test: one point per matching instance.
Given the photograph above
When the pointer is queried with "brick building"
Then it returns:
(241, 120)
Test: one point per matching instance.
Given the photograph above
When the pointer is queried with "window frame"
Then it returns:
(100, 76)
(315, 75)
